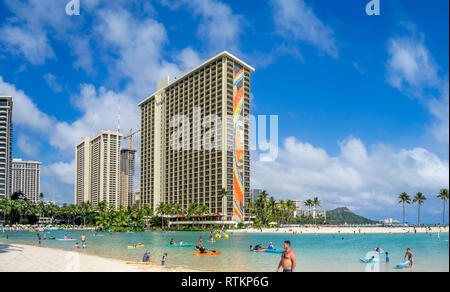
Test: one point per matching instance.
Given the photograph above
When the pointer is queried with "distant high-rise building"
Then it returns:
(26, 178)
(190, 171)
(97, 169)
(6, 106)
(127, 176)
(255, 194)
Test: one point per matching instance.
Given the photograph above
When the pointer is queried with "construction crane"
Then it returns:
(130, 136)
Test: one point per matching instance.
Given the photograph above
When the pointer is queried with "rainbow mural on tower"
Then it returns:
(238, 143)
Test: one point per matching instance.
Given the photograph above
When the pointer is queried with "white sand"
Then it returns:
(24, 258)
(342, 230)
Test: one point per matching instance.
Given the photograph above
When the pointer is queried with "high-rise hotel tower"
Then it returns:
(97, 169)
(6, 105)
(186, 158)
(26, 178)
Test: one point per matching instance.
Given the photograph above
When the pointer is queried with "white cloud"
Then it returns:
(357, 178)
(25, 111)
(294, 20)
(62, 171)
(219, 26)
(139, 47)
(28, 146)
(410, 64)
(99, 112)
(52, 81)
(33, 45)
(412, 70)
(28, 33)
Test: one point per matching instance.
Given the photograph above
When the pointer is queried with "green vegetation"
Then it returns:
(266, 210)
(343, 215)
(419, 198)
(21, 211)
(404, 199)
(443, 195)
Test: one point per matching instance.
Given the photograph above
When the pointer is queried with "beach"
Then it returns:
(344, 230)
(26, 258)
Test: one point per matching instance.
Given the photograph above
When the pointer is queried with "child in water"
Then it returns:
(163, 261)
(387, 257)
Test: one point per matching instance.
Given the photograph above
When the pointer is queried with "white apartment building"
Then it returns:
(26, 178)
(6, 105)
(97, 169)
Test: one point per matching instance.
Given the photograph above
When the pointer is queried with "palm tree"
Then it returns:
(85, 209)
(261, 207)
(420, 199)
(224, 195)
(193, 209)
(290, 205)
(163, 210)
(5, 207)
(309, 204)
(203, 211)
(443, 195)
(404, 199)
(316, 204)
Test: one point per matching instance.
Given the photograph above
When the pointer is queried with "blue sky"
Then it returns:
(362, 100)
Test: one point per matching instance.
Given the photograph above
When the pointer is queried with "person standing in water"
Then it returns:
(163, 261)
(288, 258)
(410, 257)
(83, 238)
(387, 257)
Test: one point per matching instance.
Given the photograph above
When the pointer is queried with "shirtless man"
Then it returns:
(288, 258)
(410, 256)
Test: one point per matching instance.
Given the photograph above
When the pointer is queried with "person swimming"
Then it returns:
(370, 260)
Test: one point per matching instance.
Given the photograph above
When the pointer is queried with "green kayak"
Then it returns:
(180, 245)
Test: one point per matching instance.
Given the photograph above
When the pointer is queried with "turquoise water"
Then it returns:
(324, 252)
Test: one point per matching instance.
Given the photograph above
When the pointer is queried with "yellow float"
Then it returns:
(226, 236)
(218, 236)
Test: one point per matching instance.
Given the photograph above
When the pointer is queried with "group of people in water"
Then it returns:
(408, 256)
(259, 247)
(146, 258)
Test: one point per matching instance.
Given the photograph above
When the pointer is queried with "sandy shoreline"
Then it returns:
(27, 258)
(343, 230)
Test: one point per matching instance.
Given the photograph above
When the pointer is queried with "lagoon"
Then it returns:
(321, 252)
